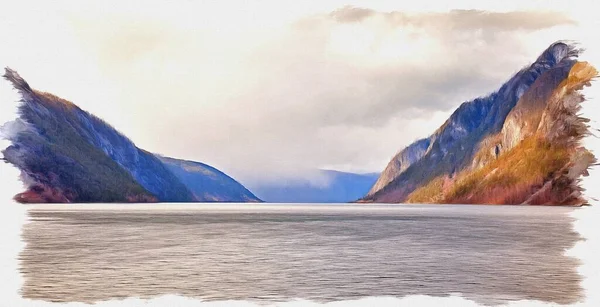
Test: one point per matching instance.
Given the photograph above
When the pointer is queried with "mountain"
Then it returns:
(518, 145)
(340, 187)
(68, 155)
(208, 183)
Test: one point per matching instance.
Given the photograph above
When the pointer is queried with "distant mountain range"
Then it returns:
(68, 155)
(340, 187)
(518, 145)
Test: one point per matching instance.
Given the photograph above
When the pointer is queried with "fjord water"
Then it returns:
(490, 254)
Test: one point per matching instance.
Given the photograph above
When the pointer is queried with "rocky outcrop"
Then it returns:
(400, 162)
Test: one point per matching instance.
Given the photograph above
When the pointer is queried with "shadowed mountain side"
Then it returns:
(68, 155)
(207, 183)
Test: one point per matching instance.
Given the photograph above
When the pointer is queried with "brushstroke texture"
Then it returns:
(68, 155)
(518, 145)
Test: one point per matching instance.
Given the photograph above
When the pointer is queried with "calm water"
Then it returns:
(263, 253)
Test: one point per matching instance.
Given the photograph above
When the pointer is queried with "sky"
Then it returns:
(270, 91)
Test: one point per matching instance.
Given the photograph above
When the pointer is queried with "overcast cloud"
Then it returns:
(268, 95)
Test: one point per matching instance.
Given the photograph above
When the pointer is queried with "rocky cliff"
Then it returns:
(486, 151)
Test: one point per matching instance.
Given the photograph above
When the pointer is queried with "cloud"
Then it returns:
(265, 96)
(351, 14)
(393, 62)
(458, 19)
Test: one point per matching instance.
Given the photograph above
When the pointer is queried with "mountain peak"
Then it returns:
(19, 83)
(559, 51)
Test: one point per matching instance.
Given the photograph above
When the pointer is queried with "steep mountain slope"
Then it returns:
(68, 155)
(490, 128)
(400, 163)
(342, 187)
(208, 183)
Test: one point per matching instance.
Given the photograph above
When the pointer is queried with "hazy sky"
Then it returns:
(272, 90)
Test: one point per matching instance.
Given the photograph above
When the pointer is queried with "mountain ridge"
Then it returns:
(454, 146)
(208, 183)
(66, 154)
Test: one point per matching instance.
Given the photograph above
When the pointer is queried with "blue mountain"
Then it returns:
(66, 154)
(341, 187)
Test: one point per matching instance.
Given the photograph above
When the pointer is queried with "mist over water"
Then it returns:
(275, 253)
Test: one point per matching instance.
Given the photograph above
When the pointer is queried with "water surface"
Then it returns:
(491, 254)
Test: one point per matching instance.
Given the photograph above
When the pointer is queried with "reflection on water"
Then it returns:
(280, 252)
